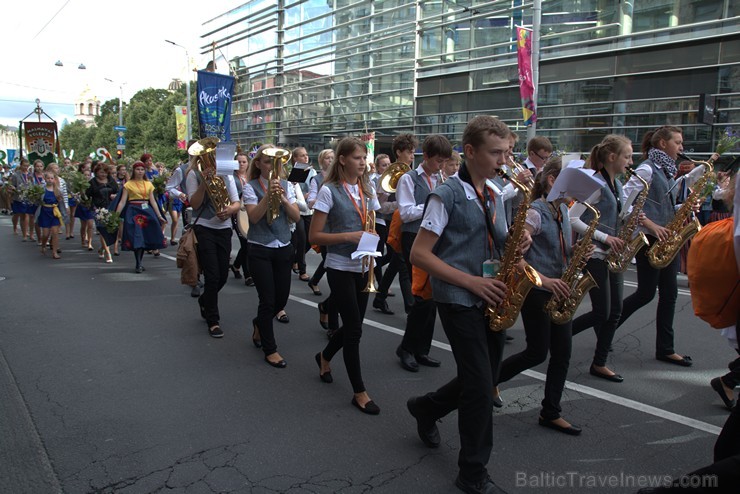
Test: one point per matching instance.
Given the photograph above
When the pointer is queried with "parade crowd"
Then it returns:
(472, 237)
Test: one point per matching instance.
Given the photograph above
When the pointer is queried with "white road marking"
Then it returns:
(602, 395)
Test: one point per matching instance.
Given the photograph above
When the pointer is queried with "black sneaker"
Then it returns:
(382, 306)
(216, 332)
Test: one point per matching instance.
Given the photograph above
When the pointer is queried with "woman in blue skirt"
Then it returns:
(86, 214)
(142, 217)
(50, 217)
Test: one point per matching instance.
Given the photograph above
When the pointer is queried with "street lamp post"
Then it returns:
(187, 84)
(120, 101)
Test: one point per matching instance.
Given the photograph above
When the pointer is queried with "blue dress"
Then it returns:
(84, 213)
(46, 215)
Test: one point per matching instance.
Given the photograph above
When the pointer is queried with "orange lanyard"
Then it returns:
(142, 192)
(264, 189)
(429, 181)
(559, 220)
(363, 213)
(483, 202)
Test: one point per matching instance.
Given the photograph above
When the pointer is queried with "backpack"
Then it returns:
(713, 277)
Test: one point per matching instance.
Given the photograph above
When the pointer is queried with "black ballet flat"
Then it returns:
(280, 364)
(323, 312)
(615, 378)
(571, 431)
(255, 341)
(370, 407)
(326, 376)
(684, 361)
(237, 274)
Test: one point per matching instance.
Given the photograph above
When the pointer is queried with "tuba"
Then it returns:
(619, 262)
(519, 280)
(663, 252)
(562, 311)
(279, 158)
(389, 179)
(369, 262)
(204, 154)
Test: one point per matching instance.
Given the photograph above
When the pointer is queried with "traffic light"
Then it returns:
(119, 154)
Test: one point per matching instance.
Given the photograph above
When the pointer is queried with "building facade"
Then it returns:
(310, 71)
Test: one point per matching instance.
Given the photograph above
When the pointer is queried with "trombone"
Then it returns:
(279, 158)
(369, 262)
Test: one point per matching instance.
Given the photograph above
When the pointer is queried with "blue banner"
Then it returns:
(214, 104)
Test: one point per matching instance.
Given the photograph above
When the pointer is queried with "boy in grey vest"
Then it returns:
(463, 227)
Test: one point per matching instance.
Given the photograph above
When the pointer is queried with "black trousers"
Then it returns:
(299, 239)
(648, 280)
(396, 266)
(214, 248)
(351, 301)
(543, 335)
(417, 338)
(606, 308)
(270, 270)
(478, 352)
(320, 270)
(242, 261)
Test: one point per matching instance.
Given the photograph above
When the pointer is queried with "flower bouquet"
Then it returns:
(110, 220)
(77, 185)
(33, 194)
(107, 223)
(728, 141)
(160, 183)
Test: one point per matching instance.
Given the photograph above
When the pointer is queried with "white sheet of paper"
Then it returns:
(574, 182)
(226, 167)
(368, 246)
(225, 150)
(573, 163)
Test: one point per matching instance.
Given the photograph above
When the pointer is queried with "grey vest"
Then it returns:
(421, 191)
(183, 177)
(342, 218)
(261, 232)
(464, 241)
(206, 210)
(659, 206)
(609, 222)
(546, 254)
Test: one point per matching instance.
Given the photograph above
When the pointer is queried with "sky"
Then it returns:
(118, 40)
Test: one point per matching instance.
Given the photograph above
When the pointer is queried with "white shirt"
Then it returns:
(436, 218)
(324, 203)
(249, 198)
(409, 210)
(191, 184)
(173, 183)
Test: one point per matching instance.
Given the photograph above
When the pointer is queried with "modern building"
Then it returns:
(310, 71)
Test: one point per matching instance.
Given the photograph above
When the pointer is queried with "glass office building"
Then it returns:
(310, 71)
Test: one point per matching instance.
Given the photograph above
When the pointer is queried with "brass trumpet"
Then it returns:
(279, 158)
(369, 262)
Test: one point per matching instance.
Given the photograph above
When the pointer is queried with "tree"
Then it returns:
(150, 121)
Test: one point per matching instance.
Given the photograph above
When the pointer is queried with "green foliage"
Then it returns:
(150, 121)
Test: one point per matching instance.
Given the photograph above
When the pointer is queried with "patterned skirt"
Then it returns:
(141, 228)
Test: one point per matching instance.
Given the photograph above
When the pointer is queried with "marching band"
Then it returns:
(465, 230)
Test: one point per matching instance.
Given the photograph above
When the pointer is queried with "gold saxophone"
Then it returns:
(279, 158)
(518, 280)
(618, 262)
(369, 262)
(562, 311)
(204, 153)
(663, 252)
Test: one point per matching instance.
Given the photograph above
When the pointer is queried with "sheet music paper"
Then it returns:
(577, 183)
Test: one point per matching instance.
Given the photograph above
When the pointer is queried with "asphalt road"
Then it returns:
(109, 382)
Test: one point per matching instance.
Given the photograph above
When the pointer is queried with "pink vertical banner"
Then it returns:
(526, 86)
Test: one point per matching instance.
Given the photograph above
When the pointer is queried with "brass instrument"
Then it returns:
(389, 179)
(204, 153)
(518, 280)
(279, 158)
(618, 262)
(663, 252)
(562, 311)
(519, 168)
(369, 262)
